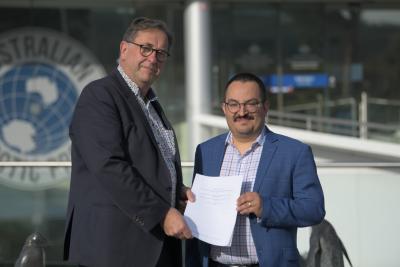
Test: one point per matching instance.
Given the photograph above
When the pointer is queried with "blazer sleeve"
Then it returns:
(97, 134)
(305, 205)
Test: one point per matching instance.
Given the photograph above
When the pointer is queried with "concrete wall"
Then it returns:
(363, 206)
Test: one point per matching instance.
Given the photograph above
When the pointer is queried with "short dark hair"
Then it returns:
(248, 77)
(143, 23)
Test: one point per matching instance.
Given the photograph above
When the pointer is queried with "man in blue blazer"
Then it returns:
(126, 180)
(280, 192)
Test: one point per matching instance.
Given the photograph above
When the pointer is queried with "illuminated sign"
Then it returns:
(290, 82)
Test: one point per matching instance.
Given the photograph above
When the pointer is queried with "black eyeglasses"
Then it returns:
(147, 50)
(250, 105)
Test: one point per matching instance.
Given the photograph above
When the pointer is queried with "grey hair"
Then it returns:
(143, 23)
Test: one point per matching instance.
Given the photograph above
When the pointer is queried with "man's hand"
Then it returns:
(250, 202)
(174, 225)
(185, 195)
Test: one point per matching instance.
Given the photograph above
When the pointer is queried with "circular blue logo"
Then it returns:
(36, 107)
(42, 73)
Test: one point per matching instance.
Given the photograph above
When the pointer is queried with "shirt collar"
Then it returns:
(151, 95)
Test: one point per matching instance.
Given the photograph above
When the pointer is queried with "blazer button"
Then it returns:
(169, 188)
(139, 220)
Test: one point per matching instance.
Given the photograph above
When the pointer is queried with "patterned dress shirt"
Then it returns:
(242, 249)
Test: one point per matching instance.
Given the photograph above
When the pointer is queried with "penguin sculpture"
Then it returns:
(32, 253)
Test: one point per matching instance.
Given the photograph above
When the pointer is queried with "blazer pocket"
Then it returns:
(109, 220)
(290, 257)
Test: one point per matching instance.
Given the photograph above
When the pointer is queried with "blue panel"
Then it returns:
(298, 81)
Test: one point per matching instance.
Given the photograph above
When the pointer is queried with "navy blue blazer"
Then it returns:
(288, 184)
(120, 187)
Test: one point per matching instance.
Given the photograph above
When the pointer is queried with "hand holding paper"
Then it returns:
(212, 216)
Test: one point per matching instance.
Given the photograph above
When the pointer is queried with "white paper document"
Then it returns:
(212, 216)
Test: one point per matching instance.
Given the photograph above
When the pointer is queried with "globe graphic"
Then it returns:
(36, 106)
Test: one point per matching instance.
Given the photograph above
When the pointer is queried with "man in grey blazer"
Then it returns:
(280, 191)
(126, 181)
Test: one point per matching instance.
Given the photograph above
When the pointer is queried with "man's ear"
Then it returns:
(266, 105)
(123, 47)
(223, 107)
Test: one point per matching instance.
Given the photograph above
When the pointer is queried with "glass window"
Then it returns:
(322, 56)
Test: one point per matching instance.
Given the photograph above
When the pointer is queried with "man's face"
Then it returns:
(246, 123)
(140, 69)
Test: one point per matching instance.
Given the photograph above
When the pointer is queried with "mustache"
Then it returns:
(244, 117)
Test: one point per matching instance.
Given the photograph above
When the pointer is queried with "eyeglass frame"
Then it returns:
(158, 51)
(245, 105)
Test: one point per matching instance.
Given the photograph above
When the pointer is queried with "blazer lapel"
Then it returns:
(269, 148)
(156, 105)
(217, 156)
(133, 104)
(140, 116)
(160, 112)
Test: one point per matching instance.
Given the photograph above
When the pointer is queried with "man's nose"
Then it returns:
(152, 57)
(242, 109)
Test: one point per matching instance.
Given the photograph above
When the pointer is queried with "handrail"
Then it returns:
(191, 164)
(35, 164)
(272, 114)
